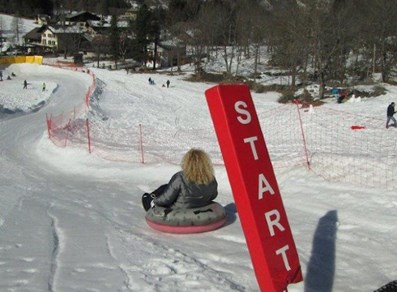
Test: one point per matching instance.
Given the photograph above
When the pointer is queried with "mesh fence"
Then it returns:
(337, 145)
(351, 148)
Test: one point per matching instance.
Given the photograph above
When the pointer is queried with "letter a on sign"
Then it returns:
(255, 190)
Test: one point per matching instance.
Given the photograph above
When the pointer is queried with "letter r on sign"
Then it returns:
(273, 222)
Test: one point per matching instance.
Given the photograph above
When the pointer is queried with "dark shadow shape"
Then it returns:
(321, 267)
(231, 211)
(390, 287)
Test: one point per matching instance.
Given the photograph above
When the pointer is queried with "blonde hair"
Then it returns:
(197, 167)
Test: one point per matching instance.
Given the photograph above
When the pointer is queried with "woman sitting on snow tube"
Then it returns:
(185, 204)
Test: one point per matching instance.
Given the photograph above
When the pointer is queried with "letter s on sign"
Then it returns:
(239, 107)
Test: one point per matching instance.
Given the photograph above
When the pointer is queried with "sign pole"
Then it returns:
(254, 186)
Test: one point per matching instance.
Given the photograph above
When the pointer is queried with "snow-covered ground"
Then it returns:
(13, 30)
(72, 221)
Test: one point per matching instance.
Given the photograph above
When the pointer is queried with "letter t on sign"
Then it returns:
(255, 190)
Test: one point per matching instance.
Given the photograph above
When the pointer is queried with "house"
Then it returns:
(57, 39)
(169, 53)
(49, 37)
(79, 19)
(130, 14)
(34, 36)
(69, 39)
(103, 26)
(44, 36)
(33, 40)
(68, 33)
(42, 19)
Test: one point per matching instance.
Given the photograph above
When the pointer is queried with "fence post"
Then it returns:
(141, 143)
(88, 135)
(303, 133)
(48, 125)
(87, 97)
(68, 129)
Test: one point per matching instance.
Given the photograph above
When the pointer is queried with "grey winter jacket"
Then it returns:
(180, 193)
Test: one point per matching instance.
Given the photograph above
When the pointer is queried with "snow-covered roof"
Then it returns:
(83, 16)
(172, 43)
(67, 29)
(106, 24)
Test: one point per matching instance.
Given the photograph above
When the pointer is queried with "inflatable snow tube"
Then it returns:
(194, 220)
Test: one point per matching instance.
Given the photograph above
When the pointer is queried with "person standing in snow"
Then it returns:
(168, 83)
(25, 84)
(193, 187)
(1, 75)
(390, 112)
(43, 86)
(335, 92)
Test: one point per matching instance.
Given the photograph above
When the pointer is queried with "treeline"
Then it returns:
(319, 40)
(325, 41)
(322, 40)
(31, 8)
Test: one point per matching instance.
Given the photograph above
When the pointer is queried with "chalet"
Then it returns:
(70, 38)
(42, 19)
(33, 40)
(56, 38)
(49, 37)
(169, 53)
(130, 14)
(103, 26)
(79, 19)
(34, 36)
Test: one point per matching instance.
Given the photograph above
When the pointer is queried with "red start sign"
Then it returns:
(255, 189)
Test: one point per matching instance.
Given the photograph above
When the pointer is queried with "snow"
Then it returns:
(8, 30)
(29, 99)
(72, 221)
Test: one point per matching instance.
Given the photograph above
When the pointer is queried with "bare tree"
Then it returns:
(383, 32)
(101, 44)
(250, 30)
(17, 27)
(1, 32)
(207, 23)
(216, 23)
(124, 44)
(290, 39)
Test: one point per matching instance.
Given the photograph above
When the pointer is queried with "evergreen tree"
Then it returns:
(103, 7)
(114, 39)
(141, 29)
(176, 12)
(156, 23)
(47, 7)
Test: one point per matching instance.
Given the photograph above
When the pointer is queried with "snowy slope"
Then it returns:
(71, 221)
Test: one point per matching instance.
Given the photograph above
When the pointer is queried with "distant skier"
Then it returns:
(341, 96)
(44, 86)
(390, 112)
(1, 75)
(25, 84)
(168, 83)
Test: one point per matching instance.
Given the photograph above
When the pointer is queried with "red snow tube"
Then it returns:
(183, 221)
(356, 127)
